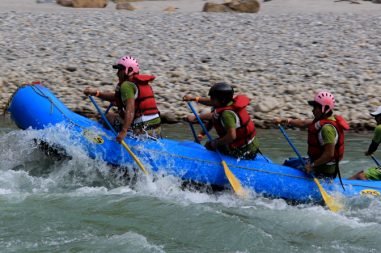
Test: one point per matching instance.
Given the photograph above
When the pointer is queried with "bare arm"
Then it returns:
(204, 116)
(104, 95)
(301, 123)
(372, 148)
(129, 113)
(327, 156)
(228, 138)
(201, 100)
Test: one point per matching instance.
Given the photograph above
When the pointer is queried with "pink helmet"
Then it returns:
(128, 63)
(324, 98)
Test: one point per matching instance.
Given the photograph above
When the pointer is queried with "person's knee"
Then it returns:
(111, 117)
(359, 175)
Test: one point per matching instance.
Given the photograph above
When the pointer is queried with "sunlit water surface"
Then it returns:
(77, 205)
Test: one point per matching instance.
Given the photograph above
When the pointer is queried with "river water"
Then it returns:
(76, 206)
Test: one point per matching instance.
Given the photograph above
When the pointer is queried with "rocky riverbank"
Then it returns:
(278, 59)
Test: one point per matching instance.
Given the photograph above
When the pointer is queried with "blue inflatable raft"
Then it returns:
(35, 106)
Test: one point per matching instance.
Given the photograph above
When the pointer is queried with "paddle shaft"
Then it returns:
(200, 122)
(194, 133)
(375, 160)
(108, 109)
(291, 144)
(116, 134)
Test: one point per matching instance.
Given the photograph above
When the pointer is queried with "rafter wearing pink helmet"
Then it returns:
(128, 63)
(325, 99)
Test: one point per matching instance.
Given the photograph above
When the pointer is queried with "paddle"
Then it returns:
(375, 160)
(108, 109)
(234, 182)
(330, 202)
(194, 133)
(136, 159)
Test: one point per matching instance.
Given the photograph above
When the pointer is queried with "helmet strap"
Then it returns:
(322, 115)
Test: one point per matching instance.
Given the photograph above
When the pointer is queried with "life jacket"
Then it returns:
(145, 103)
(315, 148)
(246, 130)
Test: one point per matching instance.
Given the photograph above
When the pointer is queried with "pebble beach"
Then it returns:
(278, 57)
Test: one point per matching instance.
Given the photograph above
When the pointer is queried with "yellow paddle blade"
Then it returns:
(134, 157)
(234, 182)
(330, 202)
